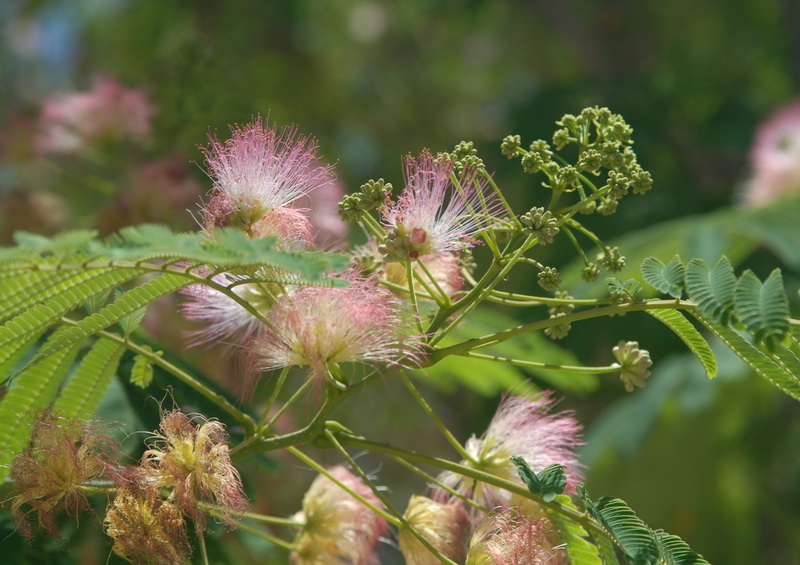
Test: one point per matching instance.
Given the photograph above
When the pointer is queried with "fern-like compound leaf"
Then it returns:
(712, 288)
(85, 388)
(580, 550)
(780, 375)
(668, 279)
(763, 309)
(684, 329)
(32, 390)
(675, 551)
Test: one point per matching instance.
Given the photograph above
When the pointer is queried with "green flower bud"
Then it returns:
(617, 185)
(641, 180)
(590, 272)
(549, 279)
(634, 364)
(559, 331)
(510, 146)
(561, 138)
(541, 223)
(590, 160)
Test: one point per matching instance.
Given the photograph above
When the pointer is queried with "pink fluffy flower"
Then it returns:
(522, 426)
(319, 327)
(108, 112)
(222, 318)
(338, 528)
(775, 157)
(432, 214)
(259, 171)
(513, 538)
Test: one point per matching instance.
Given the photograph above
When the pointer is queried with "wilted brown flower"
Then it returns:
(63, 453)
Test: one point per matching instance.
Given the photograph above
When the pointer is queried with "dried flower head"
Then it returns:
(443, 525)
(146, 529)
(63, 454)
(338, 528)
(513, 538)
(432, 215)
(634, 364)
(260, 170)
(775, 157)
(318, 327)
(193, 461)
(522, 426)
(109, 112)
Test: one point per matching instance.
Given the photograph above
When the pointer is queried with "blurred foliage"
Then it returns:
(714, 462)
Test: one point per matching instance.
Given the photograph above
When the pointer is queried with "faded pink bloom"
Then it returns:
(258, 171)
(319, 327)
(513, 538)
(444, 525)
(338, 528)
(445, 268)
(193, 461)
(775, 157)
(107, 113)
(63, 453)
(323, 206)
(224, 319)
(524, 427)
(432, 215)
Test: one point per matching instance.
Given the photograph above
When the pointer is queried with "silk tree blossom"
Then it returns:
(444, 525)
(258, 171)
(513, 538)
(523, 427)
(108, 112)
(319, 327)
(434, 215)
(223, 318)
(338, 528)
(775, 157)
(194, 462)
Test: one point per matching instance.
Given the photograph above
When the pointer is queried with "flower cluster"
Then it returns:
(775, 157)
(337, 527)
(109, 112)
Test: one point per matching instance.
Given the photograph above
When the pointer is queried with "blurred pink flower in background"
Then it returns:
(775, 157)
(108, 112)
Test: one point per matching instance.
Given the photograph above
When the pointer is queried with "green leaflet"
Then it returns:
(33, 389)
(574, 537)
(675, 551)
(712, 288)
(42, 316)
(86, 387)
(548, 483)
(684, 329)
(761, 363)
(142, 371)
(631, 533)
(762, 308)
(668, 278)
(125, 305)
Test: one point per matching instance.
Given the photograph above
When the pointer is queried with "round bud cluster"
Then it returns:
(549, 279)
(634, 364)
(559, 331)
(590, 272)
(590, 160)
(373, 194)
(510, 146)
(617, 185)
(402, 244)
(612, 260)
(541, 223)
(607, 206)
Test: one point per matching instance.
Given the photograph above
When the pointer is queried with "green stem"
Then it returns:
(218, 511)
(270, 538)
(550, 366)
(434, 481)
(502, 199)
(274, 396)
(517, 299)
(372, 225)
(399, 520)
(286, 405)
(440, 296)
(413, 294)
(323, 471)
(244, 419)
(435, 419)
(457, 349)
(201, 543)
(475, 474)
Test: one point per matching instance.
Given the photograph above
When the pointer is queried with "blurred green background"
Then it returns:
(716, 462)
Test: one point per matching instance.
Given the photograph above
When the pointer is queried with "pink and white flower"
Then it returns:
(775, 157)
(319, 327)
(109, 112)
(434, 215)
(338, 528)
(524, 427)
(260, 170)
(513, 538)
